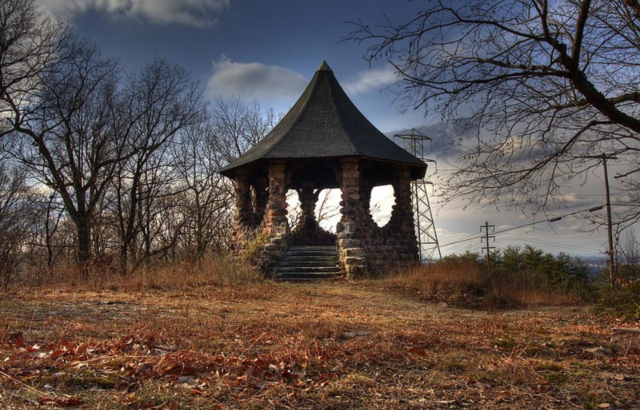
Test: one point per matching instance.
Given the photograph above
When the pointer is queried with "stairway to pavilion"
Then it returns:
(307, 263)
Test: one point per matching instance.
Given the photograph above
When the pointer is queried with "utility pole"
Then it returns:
(486, 238)
(413, 142)
(612, 266)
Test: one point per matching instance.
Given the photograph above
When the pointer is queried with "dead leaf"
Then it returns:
(82, 349)
(418, 351)
(61, 401)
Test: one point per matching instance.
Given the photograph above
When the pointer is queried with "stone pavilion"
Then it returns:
(325, 142)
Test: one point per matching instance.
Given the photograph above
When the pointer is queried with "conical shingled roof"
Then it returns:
(324, 123)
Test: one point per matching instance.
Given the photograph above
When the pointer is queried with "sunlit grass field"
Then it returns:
(215, 335)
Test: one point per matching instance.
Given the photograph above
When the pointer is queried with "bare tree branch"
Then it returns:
(539, 84)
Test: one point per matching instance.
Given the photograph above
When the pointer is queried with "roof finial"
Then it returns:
(325, 67)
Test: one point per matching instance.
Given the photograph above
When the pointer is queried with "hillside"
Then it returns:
(312, 346)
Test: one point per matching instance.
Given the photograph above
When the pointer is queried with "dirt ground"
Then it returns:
(303, 346)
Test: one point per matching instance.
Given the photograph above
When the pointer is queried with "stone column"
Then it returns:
(351, 200)
(402, 221)
(262, 197)
(365, 192)
(307, 205)
(350, 228)
(276, 214)
(244, 211)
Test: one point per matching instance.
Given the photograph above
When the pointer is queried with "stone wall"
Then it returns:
(363, 246)
(400, 231)
(262, 227)
(350, 229)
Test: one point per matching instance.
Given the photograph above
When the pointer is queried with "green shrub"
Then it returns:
(515, 277)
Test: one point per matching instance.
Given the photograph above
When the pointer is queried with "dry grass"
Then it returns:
(257, 345)
(465, 284)
(212, 270)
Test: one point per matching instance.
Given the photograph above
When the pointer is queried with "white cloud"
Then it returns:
(254, 81)
(373, 79)
(188, 12)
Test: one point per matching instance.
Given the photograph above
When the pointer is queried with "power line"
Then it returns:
(546, 242)
(461, 241)
(550, 220)
(468, 238)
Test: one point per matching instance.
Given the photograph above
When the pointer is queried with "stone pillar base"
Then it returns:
(352, 255)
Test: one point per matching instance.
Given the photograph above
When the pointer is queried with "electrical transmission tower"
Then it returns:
(414, 142)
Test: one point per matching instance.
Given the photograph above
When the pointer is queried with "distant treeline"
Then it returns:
(532, 268)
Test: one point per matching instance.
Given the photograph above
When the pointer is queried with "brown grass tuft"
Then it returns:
(467, 284)
(213, 270)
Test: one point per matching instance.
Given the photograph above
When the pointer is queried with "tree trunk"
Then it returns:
(124, 258)
(83, 250)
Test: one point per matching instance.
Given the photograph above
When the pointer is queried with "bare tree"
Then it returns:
(17, 217)
(29, 45)
(546, 84)
(629, 257)
(239, 126)
(72, 139)
(328, 207)
(45, 249)
(163, 101)
(207, 197)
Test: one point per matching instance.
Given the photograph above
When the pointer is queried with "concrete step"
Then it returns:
(305, 254)
(307, 263)
(313, 248)
(311, 269)
(303, 276)
(287, 263)
(312, 258)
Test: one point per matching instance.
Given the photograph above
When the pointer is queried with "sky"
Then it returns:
(268, 51)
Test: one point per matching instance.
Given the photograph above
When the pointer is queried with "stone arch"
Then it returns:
(322, 173)
(363, 244)
(259, 191)
(327, 210)
(308, 181)
(373, 178)
(382, 202)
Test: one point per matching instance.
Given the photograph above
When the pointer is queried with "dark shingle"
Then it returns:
(324, 123)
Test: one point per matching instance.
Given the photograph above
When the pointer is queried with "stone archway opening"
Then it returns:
(382, 202)
(328, 209)
(378, 194)
(258, 199)
(309, 182)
